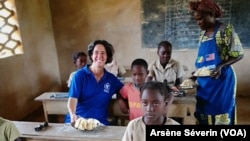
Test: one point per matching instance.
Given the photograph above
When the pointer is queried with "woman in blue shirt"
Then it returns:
(92, 86)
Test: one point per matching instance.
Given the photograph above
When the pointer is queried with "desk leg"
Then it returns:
(45, 112)
(183, 113)
(189, 117)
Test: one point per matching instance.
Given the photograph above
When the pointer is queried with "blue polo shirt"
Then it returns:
(93, 97)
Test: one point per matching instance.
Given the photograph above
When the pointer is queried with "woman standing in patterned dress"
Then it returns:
(219, 48)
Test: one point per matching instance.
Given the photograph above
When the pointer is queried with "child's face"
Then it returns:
(153, 106)
(164, 54)
(139, 74)
(81, 62)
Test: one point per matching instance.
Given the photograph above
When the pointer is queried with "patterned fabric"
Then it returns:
(220, 119)
(228, 42)
(216, 97)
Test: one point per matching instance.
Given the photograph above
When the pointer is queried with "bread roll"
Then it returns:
(204, 71)
(92, 124)
(188, 83)
(81, 123)
(86, 124)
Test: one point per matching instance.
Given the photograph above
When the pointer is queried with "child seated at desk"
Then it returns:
(155, 99)
(165, 68)
(79, 60)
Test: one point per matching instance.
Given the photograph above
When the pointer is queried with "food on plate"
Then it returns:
(204, 71)
(80, 123)
(92, 123)
(86, 124)
(188, 83)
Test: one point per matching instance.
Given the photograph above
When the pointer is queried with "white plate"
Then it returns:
(202, 75)
(186, 88)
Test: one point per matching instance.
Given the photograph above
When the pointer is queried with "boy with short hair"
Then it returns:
(129, 100)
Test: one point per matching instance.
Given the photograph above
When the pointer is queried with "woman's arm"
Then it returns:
(233, 45)
(217, 71)
(71, 105)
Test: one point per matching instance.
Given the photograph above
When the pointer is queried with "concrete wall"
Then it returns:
(52, 30)
(26, 76)
(78, 22)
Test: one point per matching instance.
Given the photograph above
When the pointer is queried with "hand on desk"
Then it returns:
(174, 88)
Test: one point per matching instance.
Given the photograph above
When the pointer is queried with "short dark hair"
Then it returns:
(140, 62)
(108, 47)
(164, 44)
(156, 85)
(76, 55)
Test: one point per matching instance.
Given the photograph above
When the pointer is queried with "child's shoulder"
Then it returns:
(129, 84)
(154, 62)
(171, 121)
(135, 122)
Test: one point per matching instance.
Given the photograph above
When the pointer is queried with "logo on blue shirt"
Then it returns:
(106, 87)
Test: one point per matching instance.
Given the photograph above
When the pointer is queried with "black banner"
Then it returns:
(217, 132)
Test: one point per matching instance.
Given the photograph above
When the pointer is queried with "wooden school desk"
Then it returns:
(65, 132)
(52, 105)
(55, 105)
(182, 107)
(58, 105)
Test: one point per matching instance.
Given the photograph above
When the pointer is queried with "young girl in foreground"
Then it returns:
(155, 99)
